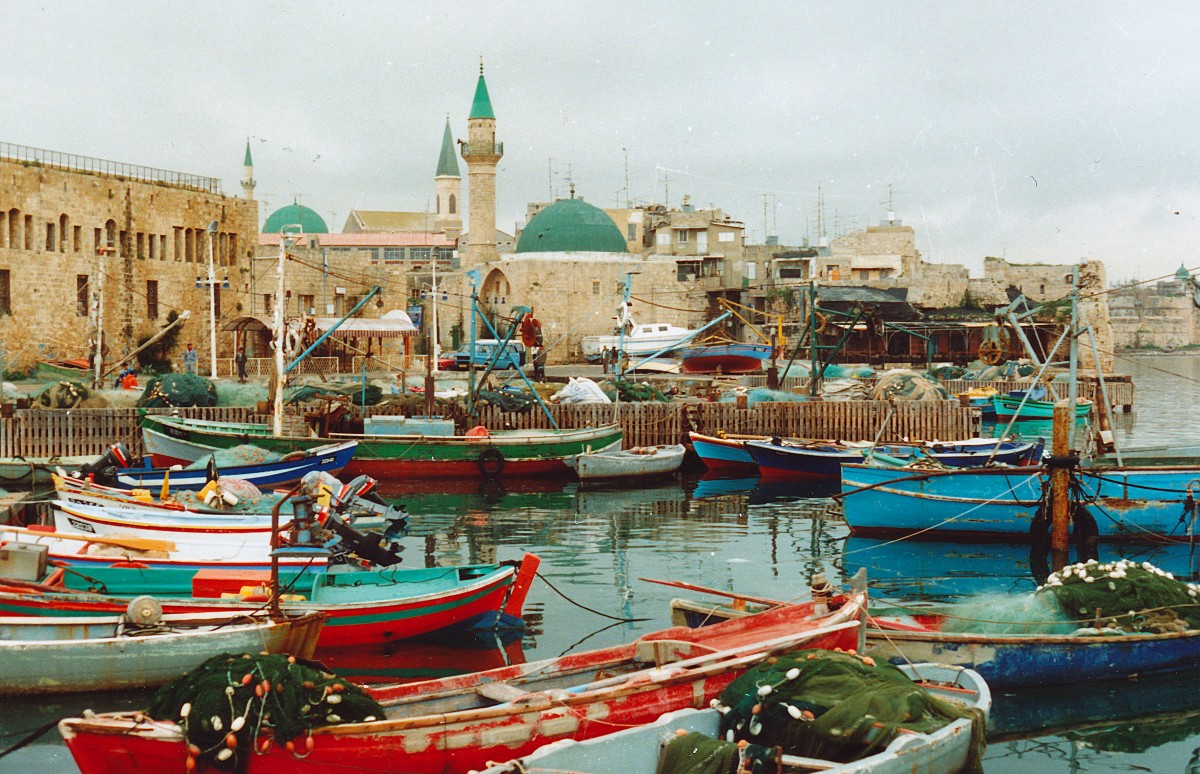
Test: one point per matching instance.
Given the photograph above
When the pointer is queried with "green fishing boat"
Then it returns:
(535, 452)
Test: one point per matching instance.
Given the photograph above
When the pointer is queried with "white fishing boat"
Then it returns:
(142, 648)
(638, 462)
(637, 340)
(637, 750)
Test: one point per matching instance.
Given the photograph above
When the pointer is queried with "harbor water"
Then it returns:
(597, 546)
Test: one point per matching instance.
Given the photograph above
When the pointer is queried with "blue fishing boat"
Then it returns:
(1121, 503)
(798, 459)
(330, 459)
(1009, 406)
(723, 454)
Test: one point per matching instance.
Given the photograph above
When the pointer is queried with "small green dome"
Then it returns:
(571, 226)
(1182, 274)
(294, 213)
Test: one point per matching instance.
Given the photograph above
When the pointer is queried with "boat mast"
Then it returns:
(1073, 368)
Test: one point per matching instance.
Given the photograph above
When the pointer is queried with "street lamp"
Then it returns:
(436, 350)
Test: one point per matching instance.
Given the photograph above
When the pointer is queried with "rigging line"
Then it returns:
(589, 609)
(664, 306)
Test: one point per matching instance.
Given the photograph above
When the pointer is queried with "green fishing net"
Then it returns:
(903, 384)
(178, 391)
(240, 455)
(62, 395)
(1013, 614)
(1125, 595)
(225, 704)
(821, 704)
(695, 753)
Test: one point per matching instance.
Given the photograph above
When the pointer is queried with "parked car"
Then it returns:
(445, 361)
(513, 355)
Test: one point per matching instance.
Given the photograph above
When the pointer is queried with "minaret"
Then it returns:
(248, 181)
(481, 152)
(448, 183)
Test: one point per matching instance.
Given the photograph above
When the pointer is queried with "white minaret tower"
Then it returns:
(248, 181)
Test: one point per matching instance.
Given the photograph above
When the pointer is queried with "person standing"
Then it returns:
(240, 360)
(190, 356)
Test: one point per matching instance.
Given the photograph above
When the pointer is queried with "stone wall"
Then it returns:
(1162, 316)
(53, 222)
(877, 252)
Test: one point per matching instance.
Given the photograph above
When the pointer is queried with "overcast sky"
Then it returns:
(1030, 130)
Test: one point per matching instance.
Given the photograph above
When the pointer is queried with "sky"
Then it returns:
(1033, 131)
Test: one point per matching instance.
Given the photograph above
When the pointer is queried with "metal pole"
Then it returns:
(1060, 483)
(98, 360)
(436, 350)
(286, 239)
(812, 339)
(625, 316)
(1073, 369)
(212, 302)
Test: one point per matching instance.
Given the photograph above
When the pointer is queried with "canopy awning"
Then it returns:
(395, 324)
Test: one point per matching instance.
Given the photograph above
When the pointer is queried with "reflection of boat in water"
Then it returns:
(760, 491)
(456, 495)
(1127, 713)
(599, 498)
(427, 658)
(938, 569)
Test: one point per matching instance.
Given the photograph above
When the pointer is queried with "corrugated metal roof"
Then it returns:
(393, 325)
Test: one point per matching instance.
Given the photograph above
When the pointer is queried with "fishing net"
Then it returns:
(695, 753)
(506, 400)
(1016, 614)
(634, 392)
(243, 454)
(821, 704)
(763, 395)
(62, 395)
(372, 393)
(903, 384)
(225, 704)
(1125, 595)
(949, 372)
(178, 391)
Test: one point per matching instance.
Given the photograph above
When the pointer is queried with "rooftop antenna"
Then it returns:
(891, 210)
(821, 236)
(628, 203)
(550, 178)
(666, 189)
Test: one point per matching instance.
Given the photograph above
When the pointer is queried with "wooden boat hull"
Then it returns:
(1130, 503)
(83, 551)
(26, 472)
(725, 358)
(636, 750)
(45, 656)
(173, 440)
(619, 465)
(1006, 661)
(450, 725)
(363, 608)
(797, 461)
(329, 459)
(726, 456)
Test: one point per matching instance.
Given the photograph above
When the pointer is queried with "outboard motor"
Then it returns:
(104, 470)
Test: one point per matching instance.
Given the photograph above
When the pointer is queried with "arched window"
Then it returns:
(453, 204)
(63, 225)
(110, 233)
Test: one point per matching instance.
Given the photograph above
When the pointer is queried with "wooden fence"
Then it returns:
(1120, 393)
(81, 432)
(49, 433)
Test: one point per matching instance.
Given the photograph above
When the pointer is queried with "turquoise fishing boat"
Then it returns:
(1009, 406)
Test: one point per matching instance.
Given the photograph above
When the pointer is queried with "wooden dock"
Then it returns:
(63, 433)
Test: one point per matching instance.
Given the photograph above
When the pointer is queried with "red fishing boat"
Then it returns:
(461, 723)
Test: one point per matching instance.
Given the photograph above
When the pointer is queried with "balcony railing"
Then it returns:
(69, 161)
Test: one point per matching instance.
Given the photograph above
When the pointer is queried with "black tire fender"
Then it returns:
(490, 461)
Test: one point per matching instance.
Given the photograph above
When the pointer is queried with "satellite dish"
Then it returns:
(143, 611)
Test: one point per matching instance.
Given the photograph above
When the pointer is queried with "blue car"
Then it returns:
(513, 355)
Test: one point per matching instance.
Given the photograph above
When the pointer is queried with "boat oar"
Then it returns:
(131, 542)
(717, 592)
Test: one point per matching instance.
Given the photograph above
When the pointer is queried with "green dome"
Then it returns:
(571, 226)
(309, 220)
(1182, 274)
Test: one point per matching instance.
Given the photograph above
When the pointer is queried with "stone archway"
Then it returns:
(495, 299)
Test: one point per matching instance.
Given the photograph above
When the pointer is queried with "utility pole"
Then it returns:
(287, 238)
(212, 302)
(98, 338)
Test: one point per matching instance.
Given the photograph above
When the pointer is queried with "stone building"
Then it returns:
(74, 229)
(1164, 315)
